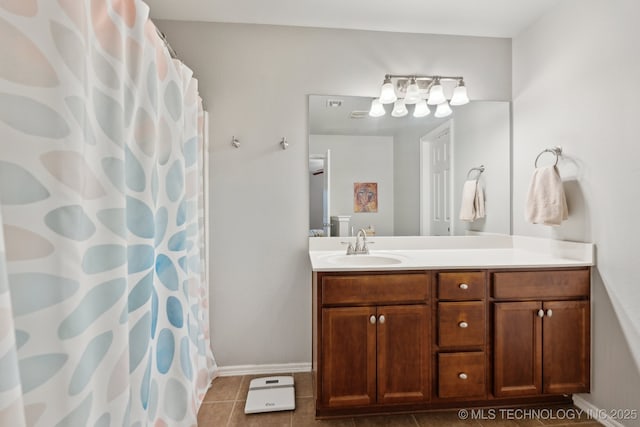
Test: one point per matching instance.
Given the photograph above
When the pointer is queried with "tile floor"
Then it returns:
(224, 406)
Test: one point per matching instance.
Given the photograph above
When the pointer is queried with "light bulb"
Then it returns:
(436, 94)
(443, 110)
(387, 93)
(377, 110)
(421, 109)
(413, 92)
(399, 109)
(460, 95)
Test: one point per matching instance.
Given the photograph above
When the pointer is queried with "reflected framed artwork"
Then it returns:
(365, 197)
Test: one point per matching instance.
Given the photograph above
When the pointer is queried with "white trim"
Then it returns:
(278, 368)
(600, 414)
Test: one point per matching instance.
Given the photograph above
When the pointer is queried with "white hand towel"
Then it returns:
(468, 204)
(546, 201)
(479, 202)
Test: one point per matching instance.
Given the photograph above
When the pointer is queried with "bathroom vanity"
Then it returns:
(462, 322)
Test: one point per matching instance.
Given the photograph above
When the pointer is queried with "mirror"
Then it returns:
(405, 176)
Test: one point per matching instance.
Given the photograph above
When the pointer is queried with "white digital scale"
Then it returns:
(270, 394)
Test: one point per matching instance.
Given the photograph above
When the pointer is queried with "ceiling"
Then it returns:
(487, 18)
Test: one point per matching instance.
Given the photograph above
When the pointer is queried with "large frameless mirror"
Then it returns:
(404, 176)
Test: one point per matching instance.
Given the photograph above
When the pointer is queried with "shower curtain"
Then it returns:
(103, 298)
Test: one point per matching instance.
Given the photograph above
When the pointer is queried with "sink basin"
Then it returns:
(364, 260)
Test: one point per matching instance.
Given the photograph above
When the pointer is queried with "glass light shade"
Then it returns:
(421, 109)
(460, 96)
(443, 110)
(413, 93)
(399, 109)
(387, 93)
(436, 94)
(376, 110)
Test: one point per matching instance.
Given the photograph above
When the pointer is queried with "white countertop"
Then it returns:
(464, 252)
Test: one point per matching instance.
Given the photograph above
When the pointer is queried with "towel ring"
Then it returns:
(555, 150)
(479, 169)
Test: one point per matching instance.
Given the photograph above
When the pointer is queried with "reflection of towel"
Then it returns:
(546, 202)
(472, 206)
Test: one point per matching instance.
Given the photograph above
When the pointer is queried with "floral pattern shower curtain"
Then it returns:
(103, 302)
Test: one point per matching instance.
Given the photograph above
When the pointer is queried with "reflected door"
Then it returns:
(440, 199)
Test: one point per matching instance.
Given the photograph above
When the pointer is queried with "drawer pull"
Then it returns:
(463, 376)
(381, 319)
(372, 319)
(549, 313)
(541, 313)
(463, 325)
(463, 286)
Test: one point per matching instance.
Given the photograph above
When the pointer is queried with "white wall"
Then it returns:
(481, 133)
(360, 159)
(406, 159)
(575, 84)
(255, 81)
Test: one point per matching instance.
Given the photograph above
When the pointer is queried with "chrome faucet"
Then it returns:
(358, 249)
(364, 249)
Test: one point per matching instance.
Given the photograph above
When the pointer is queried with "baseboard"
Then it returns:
(598, 414)
(278, 368)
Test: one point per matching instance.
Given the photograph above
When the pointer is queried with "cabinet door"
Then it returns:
(403, 354)
(566, 343)
(517, 363)
(348, 356)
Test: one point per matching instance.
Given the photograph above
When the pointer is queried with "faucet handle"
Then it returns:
(350, 249)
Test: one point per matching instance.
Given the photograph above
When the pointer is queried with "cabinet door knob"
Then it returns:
(549, 313)
(462, 376)
(541, 313)
(463, 325)
(381, 319)
(372, 319)
(463, 286)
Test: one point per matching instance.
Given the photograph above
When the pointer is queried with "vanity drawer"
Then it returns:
(376, 288)
(461, 374)
(466, 285)
(461, 324)
(541, 284)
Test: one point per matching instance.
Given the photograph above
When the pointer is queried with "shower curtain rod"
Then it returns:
(172, 52)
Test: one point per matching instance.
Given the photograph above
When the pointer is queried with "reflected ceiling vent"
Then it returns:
(334, 103)
(359, 114)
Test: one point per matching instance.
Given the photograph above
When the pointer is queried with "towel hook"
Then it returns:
(555, 150)
(480, 169)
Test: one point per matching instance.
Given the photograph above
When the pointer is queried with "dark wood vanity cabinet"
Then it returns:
(417, 340)
(373, 339)
(461, 335)
(541, 326)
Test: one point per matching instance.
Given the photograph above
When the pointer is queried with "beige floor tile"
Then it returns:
(386, 421)
(304, 416)
(267, 419)
(223, 389)
(224, 406)
(214, 414)
(444, 419)
(304, 384)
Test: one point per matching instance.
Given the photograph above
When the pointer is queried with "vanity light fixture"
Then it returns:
(377, 110)
(399, 108)
(420, 91)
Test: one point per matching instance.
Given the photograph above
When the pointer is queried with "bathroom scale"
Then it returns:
(270, 394)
